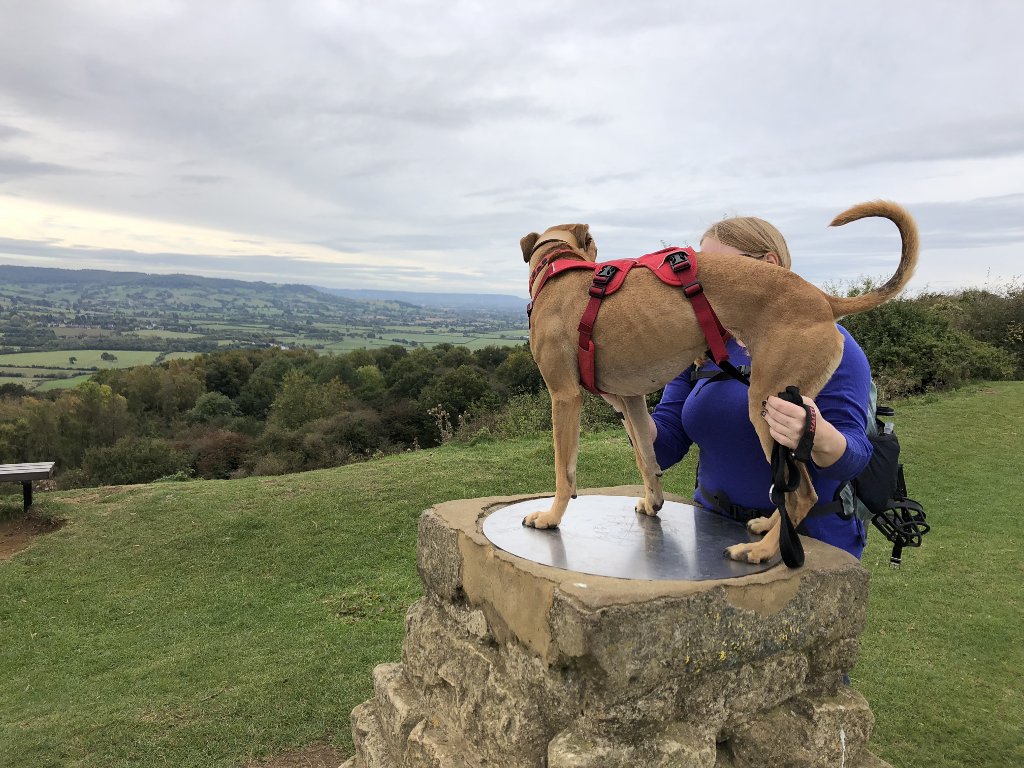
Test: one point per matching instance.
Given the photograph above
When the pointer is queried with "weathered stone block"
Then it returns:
(513, 664)
(399, 707)
(680, 745)
(372, 749)
(805, 733)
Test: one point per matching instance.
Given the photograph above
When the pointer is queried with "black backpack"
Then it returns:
(879, 493)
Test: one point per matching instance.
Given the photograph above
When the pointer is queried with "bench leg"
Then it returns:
(26, 487)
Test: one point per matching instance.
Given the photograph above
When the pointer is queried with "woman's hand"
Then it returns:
(787, 422)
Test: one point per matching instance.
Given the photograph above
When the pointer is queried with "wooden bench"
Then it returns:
(25, 474)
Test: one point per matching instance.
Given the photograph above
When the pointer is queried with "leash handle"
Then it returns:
(786, 478)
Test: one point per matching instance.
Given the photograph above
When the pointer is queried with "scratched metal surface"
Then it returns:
(604, 536)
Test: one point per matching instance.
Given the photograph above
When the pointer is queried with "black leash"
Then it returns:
(786, 478)
(785, 474)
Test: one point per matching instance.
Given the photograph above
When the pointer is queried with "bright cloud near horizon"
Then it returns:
(409, 145)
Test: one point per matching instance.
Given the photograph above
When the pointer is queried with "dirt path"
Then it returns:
(17, 533)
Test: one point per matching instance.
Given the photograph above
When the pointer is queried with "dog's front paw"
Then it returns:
(748, 553)
(643, 507)
(540, 520)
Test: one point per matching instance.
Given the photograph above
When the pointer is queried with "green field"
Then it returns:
(84, 358)
(50, 364)
(207, 623)
(45, 385)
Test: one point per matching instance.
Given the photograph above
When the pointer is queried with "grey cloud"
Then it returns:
(19, 166)
(11, 132)
(404, 128)
(201, 178)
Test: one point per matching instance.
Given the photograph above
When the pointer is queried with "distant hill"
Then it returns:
(484, 301)
(93, 278)
(48, 276)
(46, 309)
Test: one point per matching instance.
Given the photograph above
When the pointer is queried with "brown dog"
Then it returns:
(647, 334)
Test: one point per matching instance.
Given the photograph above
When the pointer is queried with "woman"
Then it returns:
(733, 477)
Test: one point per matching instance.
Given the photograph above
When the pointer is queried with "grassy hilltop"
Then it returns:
(208, 623)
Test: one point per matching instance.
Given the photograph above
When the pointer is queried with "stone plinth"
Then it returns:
(513, 664)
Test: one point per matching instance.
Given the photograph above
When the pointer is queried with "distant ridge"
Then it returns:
(15, 274)
(493, 301)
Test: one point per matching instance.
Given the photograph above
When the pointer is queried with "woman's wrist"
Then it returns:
(829, 444)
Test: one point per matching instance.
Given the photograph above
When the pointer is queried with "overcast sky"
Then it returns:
(411, 144)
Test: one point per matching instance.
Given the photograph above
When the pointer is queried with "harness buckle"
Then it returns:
(693, 289)
(679, 261)
(602, 278)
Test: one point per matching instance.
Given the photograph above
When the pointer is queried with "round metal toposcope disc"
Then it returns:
(604, 536)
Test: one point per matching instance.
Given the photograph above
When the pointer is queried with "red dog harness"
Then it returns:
(674, 266)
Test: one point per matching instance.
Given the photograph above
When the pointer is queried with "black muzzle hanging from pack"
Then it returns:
(786, 478)
(902, 522)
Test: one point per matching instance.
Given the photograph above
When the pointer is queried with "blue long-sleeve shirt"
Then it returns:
(714, 415)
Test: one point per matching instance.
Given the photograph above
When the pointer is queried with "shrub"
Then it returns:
(913, 348)
(218, 453)
(523, 415)
(133, 460)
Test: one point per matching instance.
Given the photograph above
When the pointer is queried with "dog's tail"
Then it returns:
(842, 306)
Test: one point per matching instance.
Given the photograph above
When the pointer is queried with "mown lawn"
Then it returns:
(206, 623)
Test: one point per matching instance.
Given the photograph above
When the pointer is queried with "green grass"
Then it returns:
(48, 384)
(205, 623)
(943, 657)
(84, 358)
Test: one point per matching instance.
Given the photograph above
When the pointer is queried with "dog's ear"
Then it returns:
(527, 243)
(582, 234)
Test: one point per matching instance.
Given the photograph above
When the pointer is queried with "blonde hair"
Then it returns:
(751, 235)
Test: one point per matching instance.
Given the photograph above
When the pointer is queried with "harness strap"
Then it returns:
(741, 374)
(546, 267)
(722, 375)
(681, 261)
(586, 349)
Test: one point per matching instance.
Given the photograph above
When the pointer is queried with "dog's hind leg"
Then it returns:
(638, 426)
(798, 502)
(565, 424)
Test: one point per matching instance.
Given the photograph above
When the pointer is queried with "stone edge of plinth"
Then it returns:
(525, 600)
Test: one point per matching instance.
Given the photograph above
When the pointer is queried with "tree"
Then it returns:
(302, 400)
(407, 377)
(91, 414)
(212, 408)
(519, 372)
(370, 384)
(456, 390)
